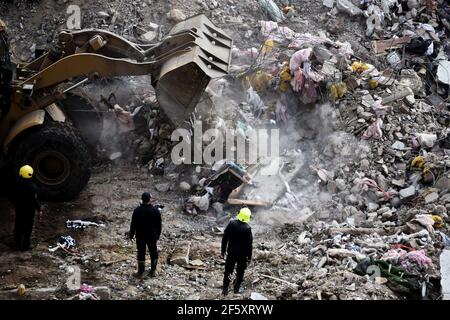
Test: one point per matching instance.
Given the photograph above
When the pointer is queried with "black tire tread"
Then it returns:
(58, 134)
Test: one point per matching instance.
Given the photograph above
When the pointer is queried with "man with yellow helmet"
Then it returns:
(237, 242)
(26, 204)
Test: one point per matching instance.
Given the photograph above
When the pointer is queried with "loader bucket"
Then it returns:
(185, 74)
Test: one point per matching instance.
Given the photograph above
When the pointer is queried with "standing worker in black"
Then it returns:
(26, 204)
(146, 225)
(238, 239)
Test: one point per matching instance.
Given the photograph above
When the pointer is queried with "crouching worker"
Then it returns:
(237, 242)
(146, 226)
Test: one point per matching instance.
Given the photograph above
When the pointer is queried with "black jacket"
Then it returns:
(146, 222)
(25, 197)
(238, 238)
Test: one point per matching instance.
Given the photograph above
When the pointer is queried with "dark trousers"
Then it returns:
(142, 245)
(230, 263)
(23, 229)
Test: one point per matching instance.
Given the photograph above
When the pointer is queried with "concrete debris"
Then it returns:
(180, 255)
(407, 192)
(176, 15)
(358, 91)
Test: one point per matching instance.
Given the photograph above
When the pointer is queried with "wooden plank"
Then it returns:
(381, 46)
(256, 203)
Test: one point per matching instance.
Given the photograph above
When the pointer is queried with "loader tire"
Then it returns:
(60, 159)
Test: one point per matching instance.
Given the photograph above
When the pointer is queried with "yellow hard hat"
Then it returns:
(26, 172)
(244, 215)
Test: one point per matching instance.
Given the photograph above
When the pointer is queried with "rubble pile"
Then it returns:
(359, 207)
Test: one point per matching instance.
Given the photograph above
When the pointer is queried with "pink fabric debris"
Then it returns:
(298, 58)
(415, 260)
(374, 130)
(298, 80)
(124, 119)
(393, 255)
(379, 109)
(271, 29)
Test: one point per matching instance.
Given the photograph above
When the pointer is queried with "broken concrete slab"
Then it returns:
(407, 192)
(399, 94)
(426, 140)
(431, 197)
(348, 7)
(180, 255)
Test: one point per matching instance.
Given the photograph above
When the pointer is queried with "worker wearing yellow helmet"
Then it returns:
(26, 204)
(237, 243)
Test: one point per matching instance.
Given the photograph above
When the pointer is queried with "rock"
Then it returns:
(364, 165)
(153, 26)
(162, 187)
(257, 296)
(443, 183)
(328, 3)
(348, 7)
(185, 186)
(176, 15)
(396, 202)
(426, 140)
(340, 184)
(371, 216)
(149, 36)
(103, 14)
(398, 145)
(407, 192)
(180, 255)
(104, 293)
(380, 280)
(410, 100)
(431, 197)
(115, 155)
(372, 207)
(351, 287)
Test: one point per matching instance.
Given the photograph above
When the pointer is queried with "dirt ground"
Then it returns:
(110, 198)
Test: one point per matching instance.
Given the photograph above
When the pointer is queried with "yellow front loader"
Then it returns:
(37, 125)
